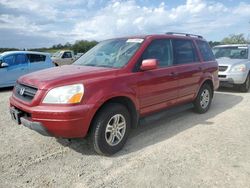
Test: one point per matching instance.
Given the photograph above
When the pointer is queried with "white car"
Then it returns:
(234, 65)
(63, 57)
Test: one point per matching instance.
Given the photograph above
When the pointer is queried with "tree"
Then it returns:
(214, 43)
(83, 46)
(235, 39)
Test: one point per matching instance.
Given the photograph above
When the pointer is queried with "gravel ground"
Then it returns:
(180, 150)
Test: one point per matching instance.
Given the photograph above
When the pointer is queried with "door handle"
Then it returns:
(173, 74)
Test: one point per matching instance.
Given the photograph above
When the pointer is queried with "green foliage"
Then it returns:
(8, 49)
(235, 39)
(214, 43)
(83, 46)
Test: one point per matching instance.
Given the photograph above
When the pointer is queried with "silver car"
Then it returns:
(234, 65)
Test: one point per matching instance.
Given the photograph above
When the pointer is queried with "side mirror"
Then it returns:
(149, 64)
(3, 64)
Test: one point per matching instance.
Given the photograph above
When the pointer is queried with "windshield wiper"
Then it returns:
(104, 66)
(89, 64)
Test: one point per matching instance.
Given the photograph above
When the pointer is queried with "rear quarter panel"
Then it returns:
(210, 72)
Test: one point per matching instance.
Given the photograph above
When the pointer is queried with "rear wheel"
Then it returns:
(110, 129)
(246, 85)
(203, 100)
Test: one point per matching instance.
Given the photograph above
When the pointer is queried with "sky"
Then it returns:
(43, 23)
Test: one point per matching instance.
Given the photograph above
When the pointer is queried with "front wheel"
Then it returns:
(246, 85)
(110, 129)
(203, 100)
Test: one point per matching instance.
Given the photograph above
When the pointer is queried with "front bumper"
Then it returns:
(232, 78)
(54, 120)
(36, 126)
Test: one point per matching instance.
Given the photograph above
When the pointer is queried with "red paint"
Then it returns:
(150, 90)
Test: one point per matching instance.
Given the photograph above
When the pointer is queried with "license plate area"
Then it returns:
(16, 115)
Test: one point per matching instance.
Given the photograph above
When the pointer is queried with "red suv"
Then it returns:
(107, 90)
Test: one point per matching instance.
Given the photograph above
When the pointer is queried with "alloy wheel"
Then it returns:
(205, 98)
(115, 129)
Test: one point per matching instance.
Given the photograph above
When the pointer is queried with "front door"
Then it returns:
(17, 66)
(67, 58)
(158, 88)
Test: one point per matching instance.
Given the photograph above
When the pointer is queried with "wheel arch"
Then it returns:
(210, 83)
(124, 100)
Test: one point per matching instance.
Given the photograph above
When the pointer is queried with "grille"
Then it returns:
(222, 76)
(25, 92)
(223, 68)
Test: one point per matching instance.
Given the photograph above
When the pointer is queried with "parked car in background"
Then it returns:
(234, 65)
(14, 64)
(142, 75)
(63, 57)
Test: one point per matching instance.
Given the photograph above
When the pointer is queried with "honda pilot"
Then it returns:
(107, 90)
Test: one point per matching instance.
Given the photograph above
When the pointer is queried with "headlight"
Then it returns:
(69, 94)
(239, 68)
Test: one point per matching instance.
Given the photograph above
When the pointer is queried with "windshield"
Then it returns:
(236, 52)
(57, 54)
(113, 53)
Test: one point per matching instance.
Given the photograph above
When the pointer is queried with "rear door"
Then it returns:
(37, 62)
(189, 68)
(158, 87)
(18, 66)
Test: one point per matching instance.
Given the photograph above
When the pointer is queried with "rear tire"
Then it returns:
(245, 87)
(110, 129)
(203, 100)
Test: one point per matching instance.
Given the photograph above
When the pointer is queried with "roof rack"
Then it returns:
(184, 34)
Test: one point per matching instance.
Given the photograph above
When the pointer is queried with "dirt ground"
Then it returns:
(179, 150)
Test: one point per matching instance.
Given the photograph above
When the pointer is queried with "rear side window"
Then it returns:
(161, 50)
(184, 51)
(33, 58)
(205, 50)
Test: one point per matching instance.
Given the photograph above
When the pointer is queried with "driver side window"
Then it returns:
(67, 55)
(10, 60)
(160, 49)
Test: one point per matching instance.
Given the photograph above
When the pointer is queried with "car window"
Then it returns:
(33, 58)
(206, 52)
(10, 60)
(232, 52)
(20, 59)
(161, 50)
(184, 51)
(114, 53)
(67, 55)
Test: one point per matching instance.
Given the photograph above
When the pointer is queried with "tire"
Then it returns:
(245, 87)
(203, 100)
(105, 138)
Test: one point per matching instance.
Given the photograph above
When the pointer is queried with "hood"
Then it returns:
(231, 62)
(64, 75)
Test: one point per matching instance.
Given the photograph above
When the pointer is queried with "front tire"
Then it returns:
(110, 129)
(246, 85)
(203, 100)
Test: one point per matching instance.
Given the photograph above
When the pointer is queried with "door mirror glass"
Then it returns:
(149, 64)
(3, 64)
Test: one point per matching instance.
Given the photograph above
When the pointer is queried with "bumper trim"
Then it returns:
(35, 126)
